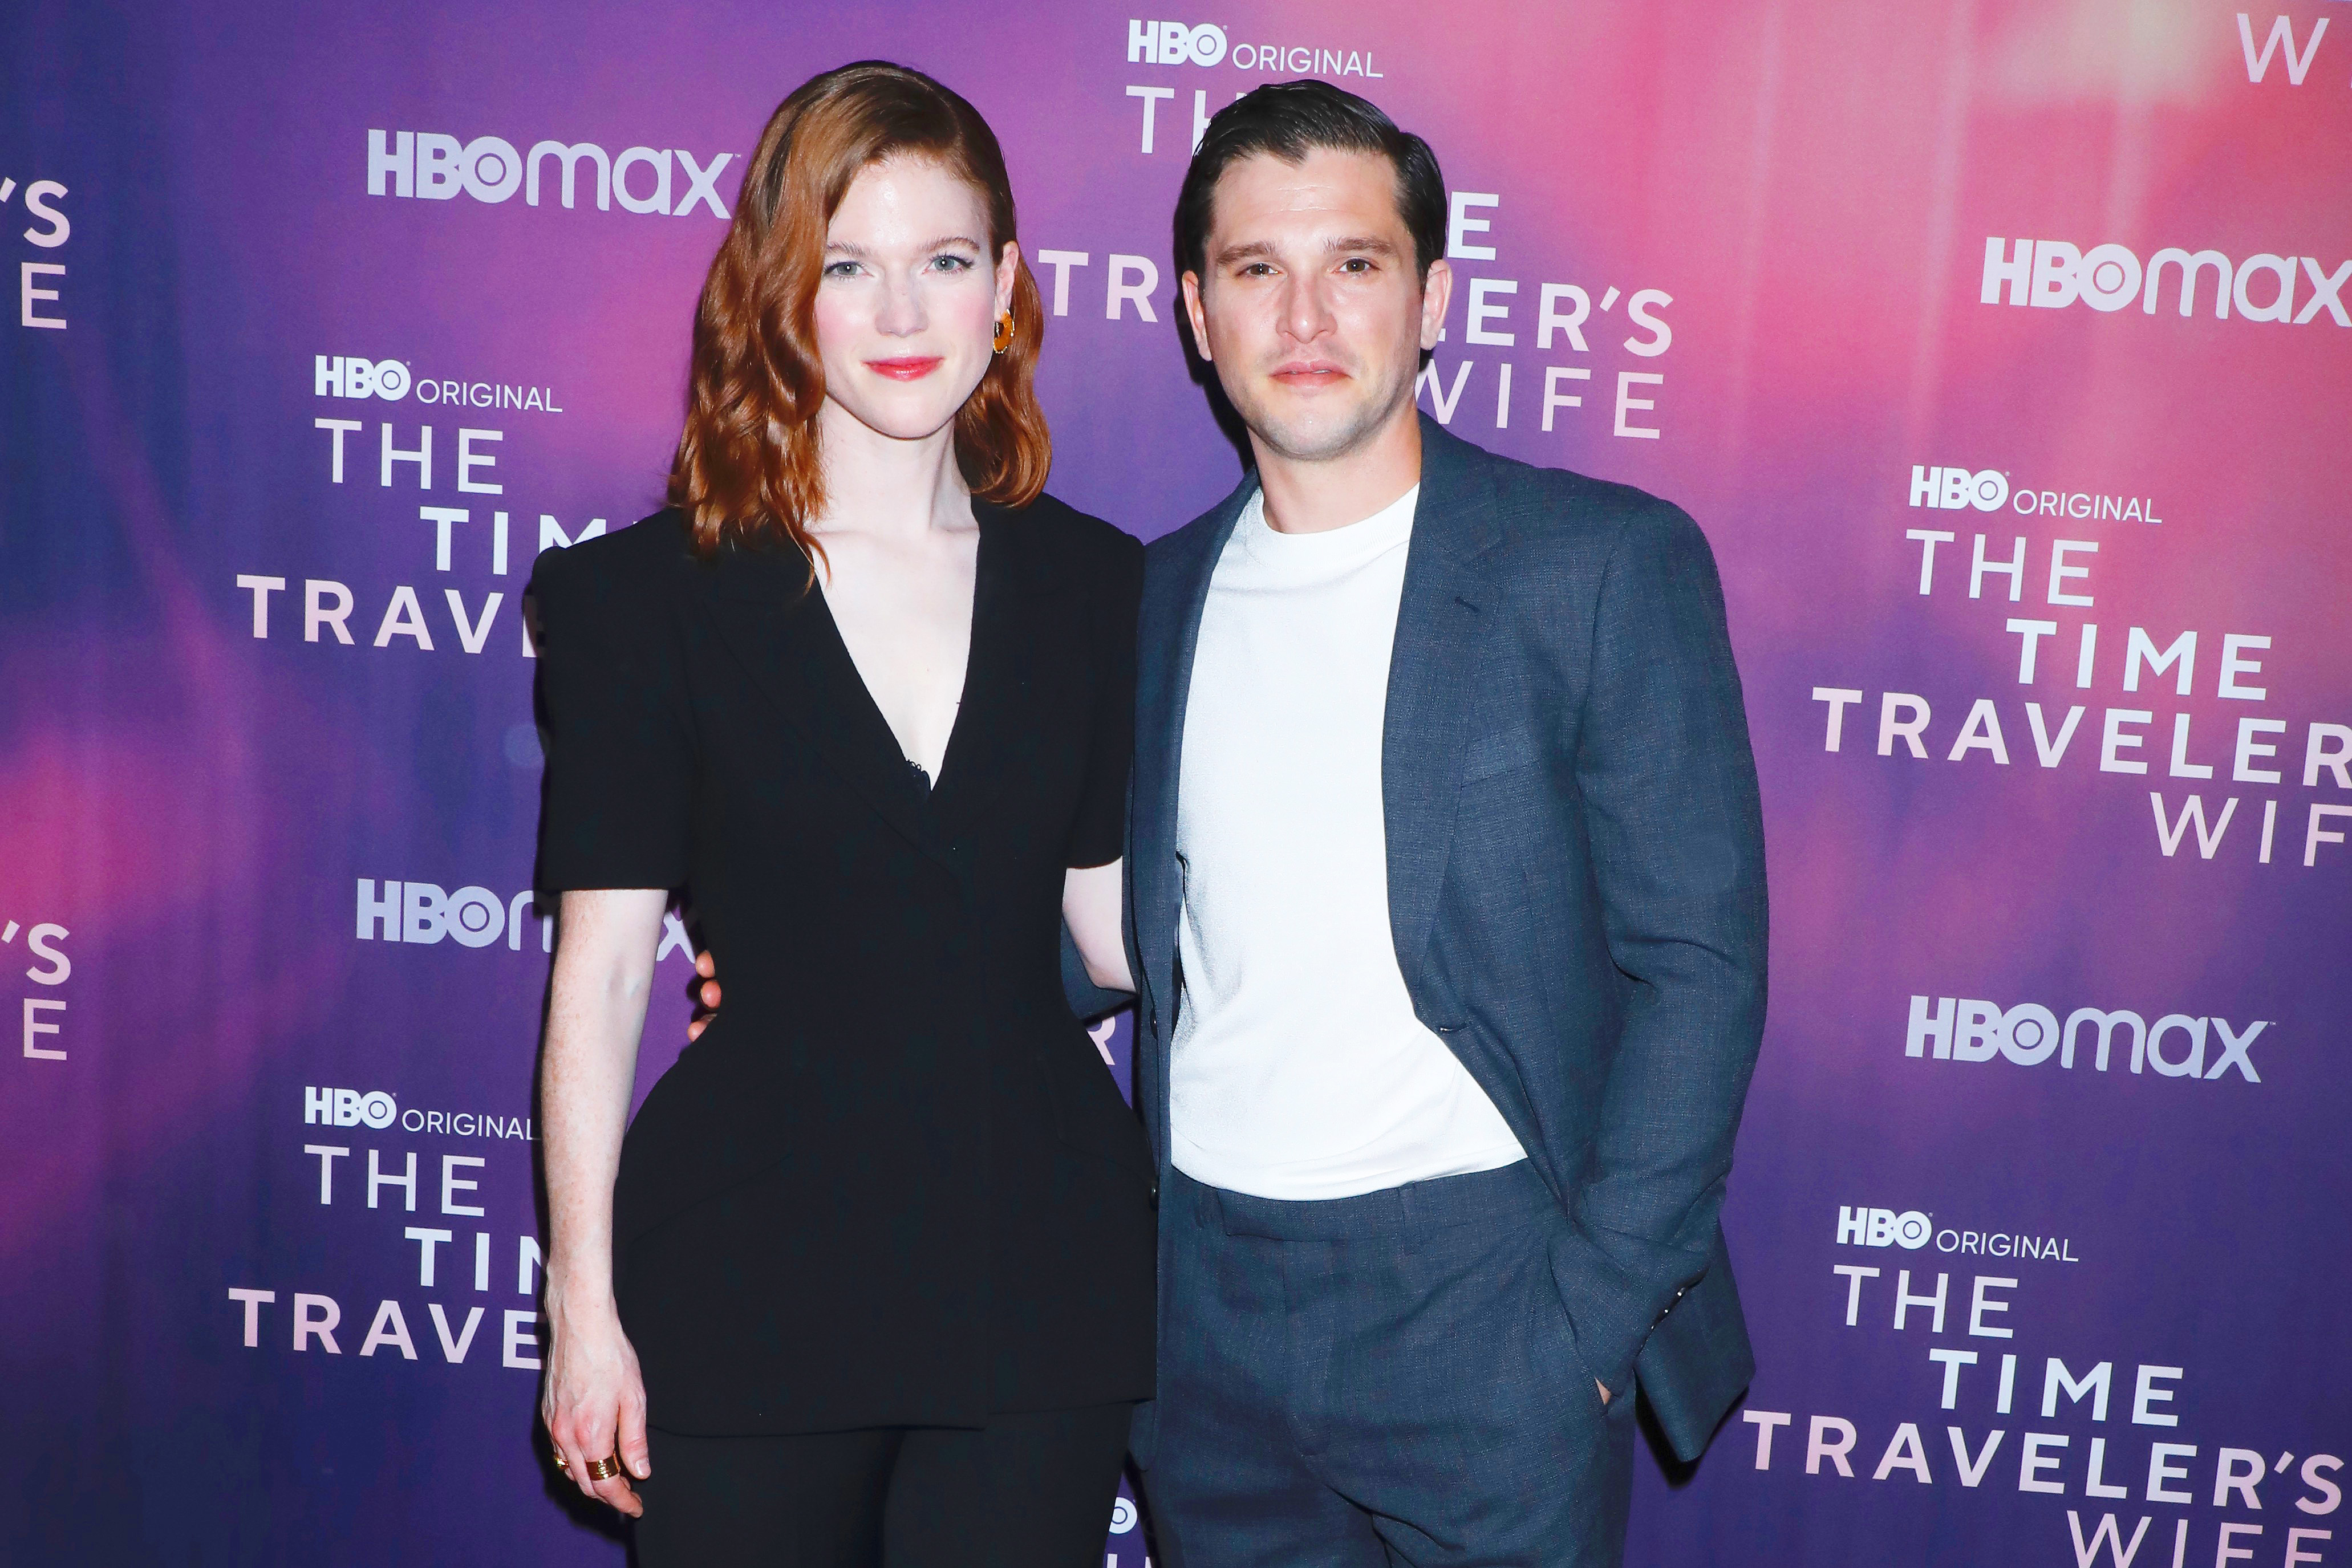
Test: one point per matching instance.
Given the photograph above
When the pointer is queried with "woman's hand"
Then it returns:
(594, 1402)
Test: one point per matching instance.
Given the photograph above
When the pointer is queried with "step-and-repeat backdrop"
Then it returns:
(2002, 349)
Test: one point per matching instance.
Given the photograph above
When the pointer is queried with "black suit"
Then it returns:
(893, 1184)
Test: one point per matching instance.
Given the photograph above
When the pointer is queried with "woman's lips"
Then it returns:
(911, 369)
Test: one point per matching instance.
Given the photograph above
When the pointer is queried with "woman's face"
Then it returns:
(907, 309)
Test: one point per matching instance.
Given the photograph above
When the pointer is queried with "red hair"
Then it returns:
(748, 469)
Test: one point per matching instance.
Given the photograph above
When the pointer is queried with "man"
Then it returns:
(1446, 885)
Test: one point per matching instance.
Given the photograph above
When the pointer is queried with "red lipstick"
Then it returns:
(913, 368)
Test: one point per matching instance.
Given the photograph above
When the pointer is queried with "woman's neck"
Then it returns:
(878, 484)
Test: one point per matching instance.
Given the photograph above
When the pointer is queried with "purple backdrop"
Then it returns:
(311, 347)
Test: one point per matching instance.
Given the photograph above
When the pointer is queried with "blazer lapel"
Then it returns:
(1448, 607)
(775, 622)
(1175, 593)
(1011, 578)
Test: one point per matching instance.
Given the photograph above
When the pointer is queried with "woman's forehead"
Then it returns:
(910, 192)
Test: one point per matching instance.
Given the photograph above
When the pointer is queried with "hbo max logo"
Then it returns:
(348, 1108)
(1174, 44)
(2175, 1045)
(1884, 1228)
(431, 166)
(2052, 273)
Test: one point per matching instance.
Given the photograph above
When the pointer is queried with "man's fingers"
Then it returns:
(704, 966)
(710, 993)
(694, 1030)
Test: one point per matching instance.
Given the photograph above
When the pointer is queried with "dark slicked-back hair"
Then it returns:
(1288, 121)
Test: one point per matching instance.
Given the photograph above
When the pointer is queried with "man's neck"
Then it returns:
(1315, 495)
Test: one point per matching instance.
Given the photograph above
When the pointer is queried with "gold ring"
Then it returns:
(606, 1468)
(562, 1463)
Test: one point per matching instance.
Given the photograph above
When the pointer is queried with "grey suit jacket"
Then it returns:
(1576, 875)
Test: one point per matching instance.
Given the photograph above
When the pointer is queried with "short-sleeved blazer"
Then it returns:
(893, 1183)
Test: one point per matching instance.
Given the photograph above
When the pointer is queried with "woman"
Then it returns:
(870, 1280)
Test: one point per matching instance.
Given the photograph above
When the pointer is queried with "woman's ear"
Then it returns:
(1008, 269)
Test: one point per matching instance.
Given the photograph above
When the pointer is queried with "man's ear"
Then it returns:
(1437, 292)
(1195, 312)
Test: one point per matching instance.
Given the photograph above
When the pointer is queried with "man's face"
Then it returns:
(1309, 305)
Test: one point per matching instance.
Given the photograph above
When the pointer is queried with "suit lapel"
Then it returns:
(1174, 596)
(1012, 577)
(776, 625)
(1446, 611)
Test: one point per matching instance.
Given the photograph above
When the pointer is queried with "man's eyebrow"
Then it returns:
(1361, 245)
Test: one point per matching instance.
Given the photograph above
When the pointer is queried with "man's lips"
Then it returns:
(1311, 373)
(913, 368)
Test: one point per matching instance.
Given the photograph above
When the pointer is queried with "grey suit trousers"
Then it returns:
(1370, 1381)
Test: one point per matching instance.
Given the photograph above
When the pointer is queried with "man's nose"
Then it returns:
(1306, 314)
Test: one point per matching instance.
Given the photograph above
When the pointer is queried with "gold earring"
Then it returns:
(1003, 332)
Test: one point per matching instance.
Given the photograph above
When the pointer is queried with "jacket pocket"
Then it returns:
(1500, 751)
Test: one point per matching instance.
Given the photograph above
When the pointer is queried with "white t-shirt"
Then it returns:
(1299, 1070)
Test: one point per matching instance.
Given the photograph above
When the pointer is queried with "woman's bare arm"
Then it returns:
(595, 1401)
(1092, 900)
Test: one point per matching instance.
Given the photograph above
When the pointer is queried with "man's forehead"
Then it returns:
(1267, 186)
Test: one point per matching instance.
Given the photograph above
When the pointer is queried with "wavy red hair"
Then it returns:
(747, 470)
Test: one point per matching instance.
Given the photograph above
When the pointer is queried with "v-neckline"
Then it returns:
(950, 753)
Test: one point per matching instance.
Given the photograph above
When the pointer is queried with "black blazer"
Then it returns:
(893, 1183)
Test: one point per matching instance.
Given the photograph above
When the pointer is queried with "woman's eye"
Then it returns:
(842, 270)
(952, 263)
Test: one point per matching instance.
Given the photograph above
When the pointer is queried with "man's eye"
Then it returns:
(1356, 263)
(1257, 270)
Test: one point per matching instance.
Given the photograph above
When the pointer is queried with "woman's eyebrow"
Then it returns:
(850, 249)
